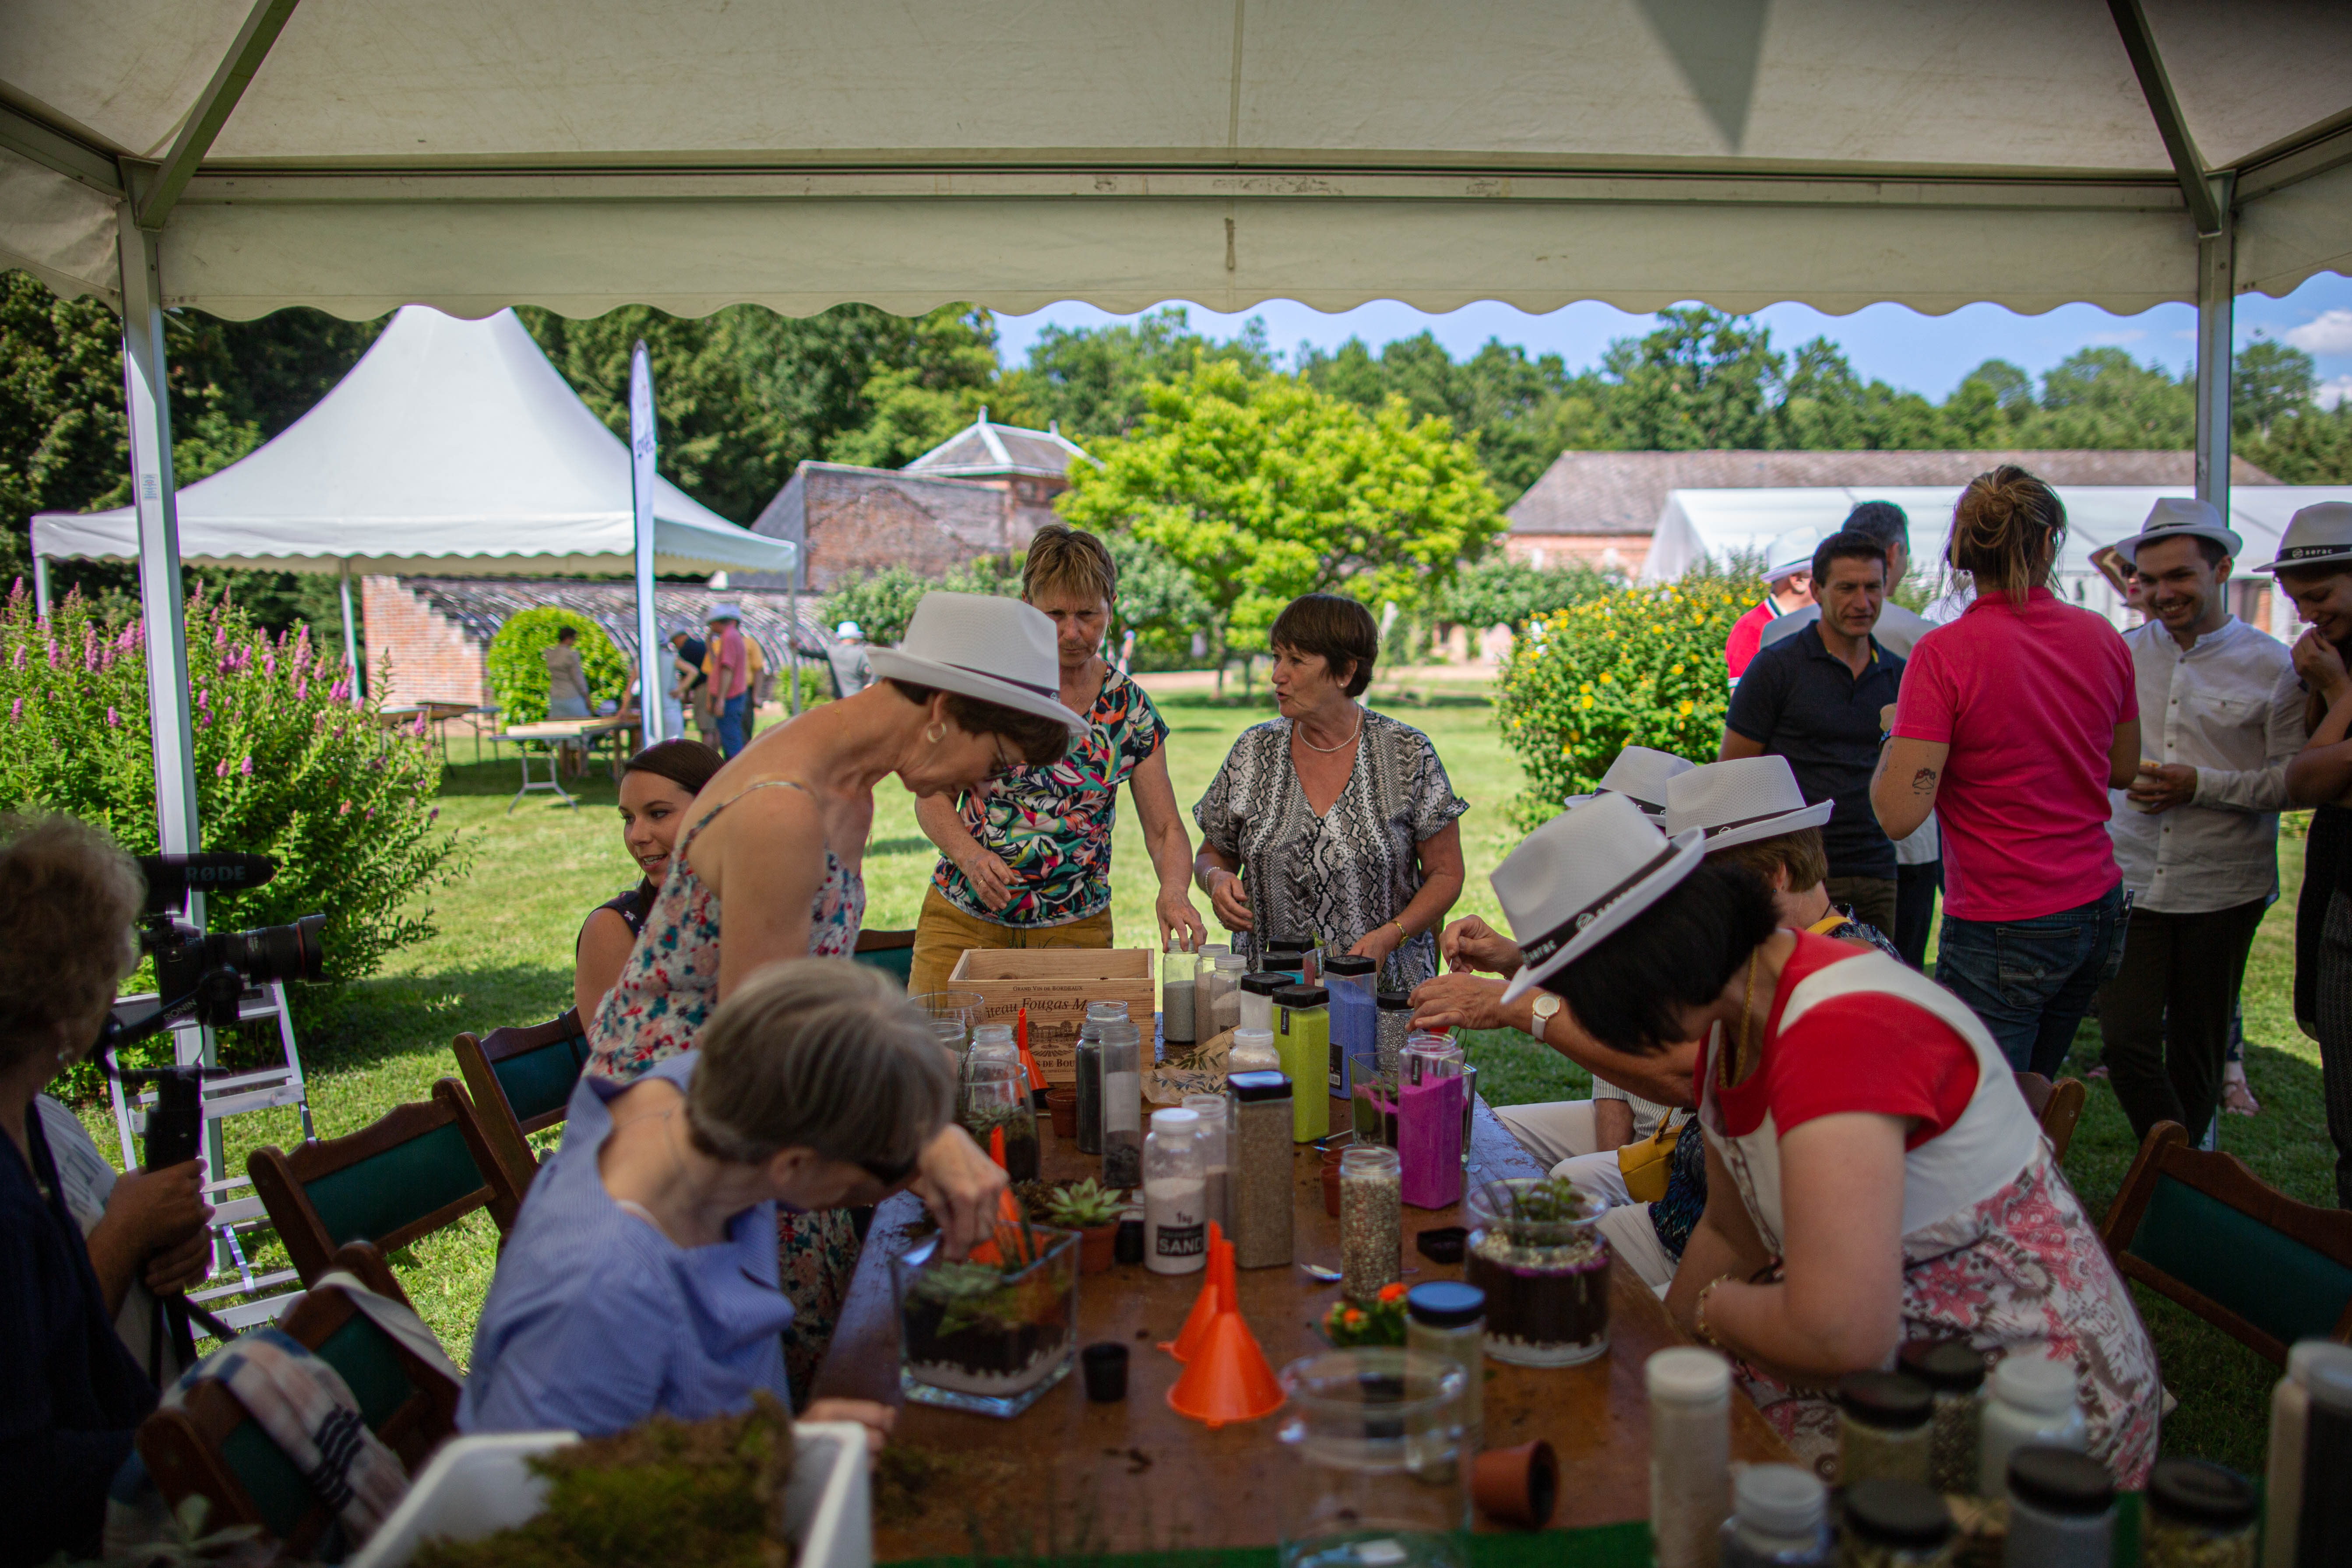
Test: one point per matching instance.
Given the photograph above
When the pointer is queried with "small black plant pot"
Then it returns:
(1106, 1370)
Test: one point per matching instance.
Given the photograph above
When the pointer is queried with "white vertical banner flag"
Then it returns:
(650, 662)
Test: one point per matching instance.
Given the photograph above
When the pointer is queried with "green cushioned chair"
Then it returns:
(423, 1166)
(2206, 1231)
(890, 951)
(521, 1081)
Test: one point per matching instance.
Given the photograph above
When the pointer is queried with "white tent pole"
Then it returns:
(793, 635)
(41, 585)
(2216, 302)
(641, 486)
(350, 635)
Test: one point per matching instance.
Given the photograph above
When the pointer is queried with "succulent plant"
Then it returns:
(1085, 1206)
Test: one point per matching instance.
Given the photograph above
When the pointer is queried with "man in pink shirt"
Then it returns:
(1788, 587)
(2013, 723)
(730, 676)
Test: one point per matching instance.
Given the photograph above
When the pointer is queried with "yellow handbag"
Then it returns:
(1644, 1161)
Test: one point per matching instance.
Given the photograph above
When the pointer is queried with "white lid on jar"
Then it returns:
(1176, 1120)
(1781, 1499)
(1687, 1375)
(1245, 1037)
(2033, 1383)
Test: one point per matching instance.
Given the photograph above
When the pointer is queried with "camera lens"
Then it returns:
(280, 952)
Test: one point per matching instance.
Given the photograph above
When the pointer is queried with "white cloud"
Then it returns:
(2331, 393)
(2328, 333)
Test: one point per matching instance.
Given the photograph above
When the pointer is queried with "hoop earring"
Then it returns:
(936, 733)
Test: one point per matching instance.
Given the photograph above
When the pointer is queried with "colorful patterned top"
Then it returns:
(670, 984)
(1052, 824)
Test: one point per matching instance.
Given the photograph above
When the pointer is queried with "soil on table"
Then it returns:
(978, 1354)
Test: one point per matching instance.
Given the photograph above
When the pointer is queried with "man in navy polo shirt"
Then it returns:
(1814, 699)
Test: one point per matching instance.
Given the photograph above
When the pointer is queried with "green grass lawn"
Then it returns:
(503, 955)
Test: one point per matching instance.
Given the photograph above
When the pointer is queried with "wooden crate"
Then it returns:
(1055, 983)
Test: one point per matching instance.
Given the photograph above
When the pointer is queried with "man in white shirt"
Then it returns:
(2220, 716)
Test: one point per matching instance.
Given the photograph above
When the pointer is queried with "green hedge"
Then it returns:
(519, 672)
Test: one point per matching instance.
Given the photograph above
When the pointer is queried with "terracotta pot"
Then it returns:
(1517, 1486)
(1331, 1188)
(1062, 1105)
(1095, 1243)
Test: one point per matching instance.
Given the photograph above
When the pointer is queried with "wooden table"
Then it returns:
(1079, 1477)
(552, 733)
(437, 713)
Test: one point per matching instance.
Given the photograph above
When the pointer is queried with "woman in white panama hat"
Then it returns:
(778, 837)
(1873, 1174)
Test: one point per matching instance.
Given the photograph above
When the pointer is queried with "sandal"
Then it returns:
(2237, 1094)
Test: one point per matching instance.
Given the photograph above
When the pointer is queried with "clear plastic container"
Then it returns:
(1122, 1102)
(1690, 1454)
(1354, 1037)
(996, 1100)
(2032, 1402)
(1378, 1481)
(1391, 1027)
(1262, 1158)
(2061, 1511)
(1178, 972)
(1253, 1050)
(1258, 989)
(1295, 959)
(1222, 975)
(1372, 1222)
(1175, 1194)
(1536, 1250)
(1302, 1033)
(1430, 1097)
(1444, 1317)
(1215, 1116)
(1780, 1518)
(987, 1338)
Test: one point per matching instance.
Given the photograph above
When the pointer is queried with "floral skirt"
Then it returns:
(815, 1256)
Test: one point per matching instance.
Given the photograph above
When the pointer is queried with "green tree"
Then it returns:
(1702, 379)
(1094, 382)
(1264, 489)
(2268, 381)
(2103, 398)
(1157, 599)
(1499, 591)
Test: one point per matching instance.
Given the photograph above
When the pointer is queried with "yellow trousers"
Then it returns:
(945, 933)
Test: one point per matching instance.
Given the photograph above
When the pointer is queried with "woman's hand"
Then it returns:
(1471, 943)
(1179, 922)
(877, 1419)
(2321, 665)
(1229, 899)
(990, 877)
(959, 1184)
(1464, 1002)
(1379, 943)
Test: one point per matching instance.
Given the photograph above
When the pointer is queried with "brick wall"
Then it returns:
(864, 528)
(430, 656)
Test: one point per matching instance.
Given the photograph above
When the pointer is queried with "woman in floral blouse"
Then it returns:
(1332, 822)
(1026, 863)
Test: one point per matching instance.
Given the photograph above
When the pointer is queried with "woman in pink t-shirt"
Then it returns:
(2013, 723)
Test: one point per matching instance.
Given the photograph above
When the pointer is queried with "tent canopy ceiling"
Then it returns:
(453, 447)
(800, 153)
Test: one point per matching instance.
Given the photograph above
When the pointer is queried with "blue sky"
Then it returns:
(1889, 342)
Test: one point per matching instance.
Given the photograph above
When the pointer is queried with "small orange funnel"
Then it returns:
(1217, 1295)
(1229, 1380)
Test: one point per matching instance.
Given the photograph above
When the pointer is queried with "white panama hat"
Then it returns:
(724, 610)
(1741, 800)
(2317, 535)
(1580, 876)
(978, 645)
(849, 629)
(1790, 554)
(2174, 516)
(1641, 773)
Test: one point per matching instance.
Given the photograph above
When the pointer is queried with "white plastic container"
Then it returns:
(479, 1486)
(2033, 1402)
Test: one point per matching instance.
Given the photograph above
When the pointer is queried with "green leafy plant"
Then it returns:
(1380, 1321)
(1636, 666)
(518, 667)
(1555, 1200)
(1085, 1206)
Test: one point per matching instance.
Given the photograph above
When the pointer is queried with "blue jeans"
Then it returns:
(2032, 980)
(730, 724)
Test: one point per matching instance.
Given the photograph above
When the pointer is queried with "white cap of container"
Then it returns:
(2033, 1383)
(1687, 1375)
(1781, 1499)
(1176, 1120)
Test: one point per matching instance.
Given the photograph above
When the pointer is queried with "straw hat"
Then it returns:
(1790, 554)
(1640, 773)
(1580, 876)
(2174, 516)
(2318, 535)
(979, 645)
(1741, 800)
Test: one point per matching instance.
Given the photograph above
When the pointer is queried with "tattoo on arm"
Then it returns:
(1924, 782)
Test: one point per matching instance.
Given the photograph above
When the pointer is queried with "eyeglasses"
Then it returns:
(1004, 764)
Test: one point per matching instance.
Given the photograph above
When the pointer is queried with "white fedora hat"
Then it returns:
(1741, 800)
(2317, 535)
(979, 645)
(2174, 516)
(723, 611)
(1641, 773)
(1790, 554)
(1580, 876)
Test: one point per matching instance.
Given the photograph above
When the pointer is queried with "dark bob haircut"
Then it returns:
(1335, 627)
(686, 763)
(1679, 953)
(1039, 741)
(1848, 544)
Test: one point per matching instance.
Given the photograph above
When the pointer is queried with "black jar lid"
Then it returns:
(1265, 1084)
(1948, 1366)
(1348, 963)
(1394, 1001)
(2196, 1492)
(1298, 996)
(1265, 983)
(1277, 944)
(1445, 1304)
(2060, 1480)
(1895, 1513)
(1886, 1399)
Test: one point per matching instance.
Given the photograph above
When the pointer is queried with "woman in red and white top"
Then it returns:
(1873, 1174)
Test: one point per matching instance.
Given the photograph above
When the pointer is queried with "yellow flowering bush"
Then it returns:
(1635, 666)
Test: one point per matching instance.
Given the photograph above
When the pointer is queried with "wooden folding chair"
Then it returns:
(2058, 1107)
(520, 1081)
(211, 1446)
(422, 1166)
(892, 951)
(2206, 1231)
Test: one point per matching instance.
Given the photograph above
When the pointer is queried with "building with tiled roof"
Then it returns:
(1601, 507)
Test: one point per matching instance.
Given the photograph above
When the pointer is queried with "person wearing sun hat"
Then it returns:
(2314, 568)
(1872, 1173)
(777, 840)
(1642, 775)
(1789, 586)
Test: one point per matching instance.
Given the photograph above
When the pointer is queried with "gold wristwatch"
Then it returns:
(1544, 1007)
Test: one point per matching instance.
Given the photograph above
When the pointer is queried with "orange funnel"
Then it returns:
(1217, 1295)
(1229, 1380)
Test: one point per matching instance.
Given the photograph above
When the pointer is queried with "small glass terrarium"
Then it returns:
(996, 1106)
(992, 1332)
(1536, 1249)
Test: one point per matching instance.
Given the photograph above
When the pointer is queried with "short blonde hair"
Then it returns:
(822, 1054)
(1071, 561)
(68, 897)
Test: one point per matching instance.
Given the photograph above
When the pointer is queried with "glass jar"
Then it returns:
(1178, 971)
(1893, 1524)
(1372, 1222)
(1536, 1249)
(1689, 1391)
(1884, 1424)
(1253, 1051)
(996, 1103)
(1175, 1194)
(988, 1333)
(965, 1007)
(1122, 1101)
(1446, 1318)
(1216, 1131)
(1954, 1371)
(2032, 1402)
(1378, 1481)
(2290, 1424)
(2061, 1511)
(1258, 989)
(1302, 1033)
(1391, 1026)
(1780, 1518)
(1429, 1121)
(1262, 1157)
(1224, 974)
(2198, 1515)
(1087, 1064)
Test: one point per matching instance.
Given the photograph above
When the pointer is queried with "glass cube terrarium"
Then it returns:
(1536, 1249)
(991, 1333)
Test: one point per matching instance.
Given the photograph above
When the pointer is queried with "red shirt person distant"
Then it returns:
(1789, 580)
